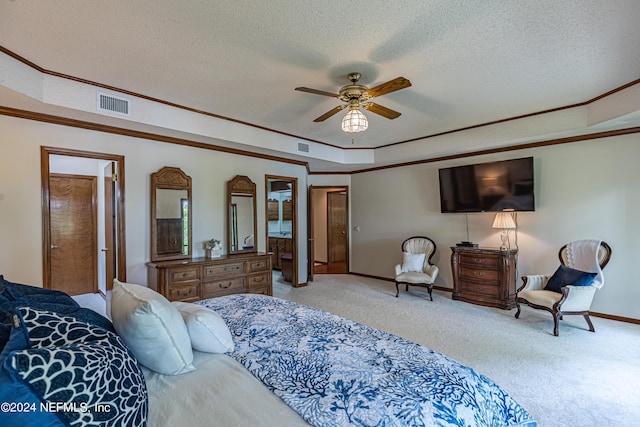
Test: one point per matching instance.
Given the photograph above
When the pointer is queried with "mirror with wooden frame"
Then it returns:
(170, 214)
(241, 218)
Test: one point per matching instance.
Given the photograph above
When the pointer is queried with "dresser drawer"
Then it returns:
(218, 269)
(183, 274)
(264, 290)
(262, 279)
(257, 264)
(184, 293)
(491, 290)
(479, 274)
(479, 260)
(233, 285)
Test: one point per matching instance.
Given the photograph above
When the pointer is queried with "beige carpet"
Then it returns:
(578, 379)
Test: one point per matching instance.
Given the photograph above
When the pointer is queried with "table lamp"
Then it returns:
(504, 220)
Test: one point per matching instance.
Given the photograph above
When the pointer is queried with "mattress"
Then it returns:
(220, 392)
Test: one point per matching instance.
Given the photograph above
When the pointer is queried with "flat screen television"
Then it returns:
(488, 187)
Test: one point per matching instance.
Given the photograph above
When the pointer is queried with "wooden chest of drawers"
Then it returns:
(484, 276)
(200, 278)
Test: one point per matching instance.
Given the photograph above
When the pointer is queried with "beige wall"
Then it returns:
(583, 190)
(20, 210)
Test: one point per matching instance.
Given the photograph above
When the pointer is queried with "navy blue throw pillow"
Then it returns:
(18, 292)
(8, 309)
(568, 276)
(14, 295)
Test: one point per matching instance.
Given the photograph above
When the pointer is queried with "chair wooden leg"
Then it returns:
(430, 290)
(556, 321)
(517, 309)
(591, 328)
(397, 290)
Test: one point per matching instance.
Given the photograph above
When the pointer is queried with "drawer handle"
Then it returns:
(477, 288)
(258, 279)
(183, 294)
(224, 287)
(478, 260)
(478, 273)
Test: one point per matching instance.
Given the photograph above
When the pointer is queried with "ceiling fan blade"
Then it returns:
(390, 86)
(317, 92)
(383, 111)
(330, 113)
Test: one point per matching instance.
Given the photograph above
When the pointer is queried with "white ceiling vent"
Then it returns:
(114, 104)
(303, 147)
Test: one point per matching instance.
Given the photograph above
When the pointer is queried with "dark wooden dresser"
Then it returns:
(199, 278)
(484, 276)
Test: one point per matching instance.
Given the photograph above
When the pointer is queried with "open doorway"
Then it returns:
(82, 256)
(282, 226)
(328, 229)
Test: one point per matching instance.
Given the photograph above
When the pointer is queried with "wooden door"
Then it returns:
(337, 227)
(109, 225)
(73, 228)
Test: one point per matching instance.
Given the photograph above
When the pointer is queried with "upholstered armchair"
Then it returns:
(570, 290)
(416, 268)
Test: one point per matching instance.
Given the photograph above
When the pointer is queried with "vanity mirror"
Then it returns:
(170, 214)
(241, 218)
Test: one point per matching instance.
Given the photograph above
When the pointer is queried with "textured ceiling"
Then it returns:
(469, 62)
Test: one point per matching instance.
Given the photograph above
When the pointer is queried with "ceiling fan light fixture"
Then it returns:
(354, 121)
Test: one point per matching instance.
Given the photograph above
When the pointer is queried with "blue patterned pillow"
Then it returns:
(568, 276)
(69, 373)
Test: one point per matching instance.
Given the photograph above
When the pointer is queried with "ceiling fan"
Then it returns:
(355, 96)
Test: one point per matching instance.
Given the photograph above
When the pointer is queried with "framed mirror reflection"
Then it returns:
(241, 218)
(170, 214)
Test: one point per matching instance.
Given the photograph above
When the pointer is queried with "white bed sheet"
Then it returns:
(219, 392)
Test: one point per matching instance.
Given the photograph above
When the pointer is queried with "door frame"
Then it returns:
(310, 224)
(45, 152)
(294, 221)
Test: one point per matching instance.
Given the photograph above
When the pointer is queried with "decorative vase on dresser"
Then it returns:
(484, 276)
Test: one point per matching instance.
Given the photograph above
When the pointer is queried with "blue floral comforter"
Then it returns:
(336, 372)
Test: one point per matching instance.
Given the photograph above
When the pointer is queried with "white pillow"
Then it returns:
(412, 262)
(207, 330)
(152, 328)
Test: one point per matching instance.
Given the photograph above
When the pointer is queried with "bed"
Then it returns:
(293, 365)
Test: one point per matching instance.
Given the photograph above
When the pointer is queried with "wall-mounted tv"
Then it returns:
(488, 187)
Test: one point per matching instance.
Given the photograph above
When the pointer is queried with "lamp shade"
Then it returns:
(504, 220)
(354, 121)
